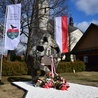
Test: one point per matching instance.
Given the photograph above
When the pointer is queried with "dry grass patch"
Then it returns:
(86, 78)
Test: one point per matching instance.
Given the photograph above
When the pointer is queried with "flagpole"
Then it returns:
(1, 83)
(1, 71)
(2, 59)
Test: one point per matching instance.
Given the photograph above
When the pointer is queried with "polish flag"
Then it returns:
(61, 33)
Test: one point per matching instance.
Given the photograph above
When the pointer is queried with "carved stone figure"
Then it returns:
(40, 56)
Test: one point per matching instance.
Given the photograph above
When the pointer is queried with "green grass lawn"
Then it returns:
(85, 78)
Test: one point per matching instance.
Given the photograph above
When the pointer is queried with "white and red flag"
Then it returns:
(12, 33)
(61, 33)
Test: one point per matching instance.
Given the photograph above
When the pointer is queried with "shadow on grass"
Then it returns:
(14, 79)
(25, 91)
(1, 83)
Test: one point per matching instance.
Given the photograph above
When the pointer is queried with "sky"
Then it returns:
(84, 12)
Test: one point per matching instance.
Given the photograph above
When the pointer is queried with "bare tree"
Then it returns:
(32, 16)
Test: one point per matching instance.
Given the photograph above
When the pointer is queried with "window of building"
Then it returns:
(85, 59)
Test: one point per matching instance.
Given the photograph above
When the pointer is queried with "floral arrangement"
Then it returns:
(56, 82)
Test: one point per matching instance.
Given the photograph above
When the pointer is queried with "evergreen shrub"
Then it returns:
(14, 68)
(63, 66)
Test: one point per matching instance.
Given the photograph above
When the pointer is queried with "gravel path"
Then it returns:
(75, 91)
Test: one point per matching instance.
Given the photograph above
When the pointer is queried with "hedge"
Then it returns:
(63, 66)
(20, 68)
(14, 68)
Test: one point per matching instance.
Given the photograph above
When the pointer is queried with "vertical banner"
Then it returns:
(12, 32)
(61, 33)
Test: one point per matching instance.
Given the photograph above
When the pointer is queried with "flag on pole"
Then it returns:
(12, 32)
(61, 33)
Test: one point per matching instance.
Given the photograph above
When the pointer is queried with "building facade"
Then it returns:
(86, 49)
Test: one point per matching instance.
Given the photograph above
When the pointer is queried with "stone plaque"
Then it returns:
(46, 60)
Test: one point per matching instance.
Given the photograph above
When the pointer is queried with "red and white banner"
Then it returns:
(61, 33)
(12, 33)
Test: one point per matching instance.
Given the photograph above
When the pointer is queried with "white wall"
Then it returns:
(74, 38)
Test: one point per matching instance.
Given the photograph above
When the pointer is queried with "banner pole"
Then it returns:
(1, 83)
(2, 59)
(1, 71)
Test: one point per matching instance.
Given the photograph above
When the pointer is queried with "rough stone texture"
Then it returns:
(45, 47)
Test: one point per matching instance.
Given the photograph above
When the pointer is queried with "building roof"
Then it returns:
(89, 40)
(71, 28)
